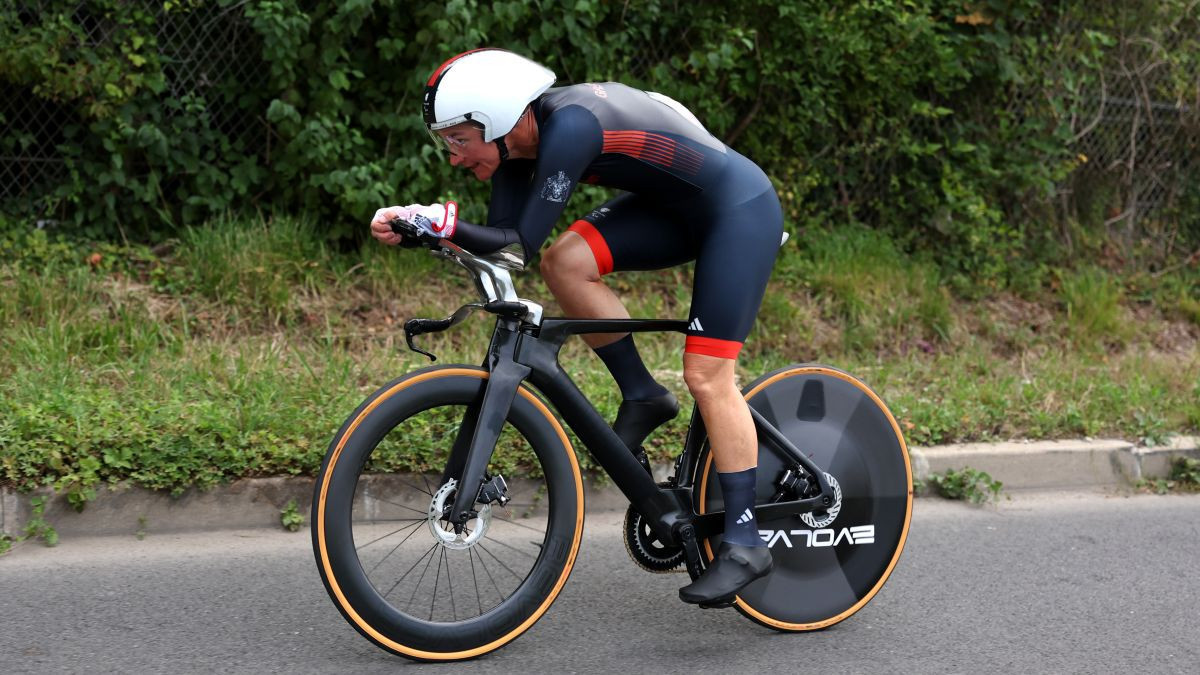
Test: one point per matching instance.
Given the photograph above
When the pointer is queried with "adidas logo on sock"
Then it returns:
(695, 325)
(745, 517)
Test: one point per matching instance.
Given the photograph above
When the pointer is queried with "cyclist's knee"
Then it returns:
(569, 260)
(708, 377)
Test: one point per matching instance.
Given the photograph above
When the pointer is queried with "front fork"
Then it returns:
(481, 426)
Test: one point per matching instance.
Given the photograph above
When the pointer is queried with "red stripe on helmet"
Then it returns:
(438, 73)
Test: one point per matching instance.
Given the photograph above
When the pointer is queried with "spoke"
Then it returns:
(436, 580)
(389, 553)
(510, 546)
(499, 593)
(403, 506)
(513, 522)
(420, 579)
(475, 578)
(359, 548)
(410, 569)
(450, 589)
(428, 487)
(484, 549)
(404, 482)
(392, 520)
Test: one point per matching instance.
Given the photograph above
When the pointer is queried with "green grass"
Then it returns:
(1092, 299)
(238, 349)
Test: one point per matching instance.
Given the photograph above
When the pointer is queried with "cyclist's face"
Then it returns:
(467, 149)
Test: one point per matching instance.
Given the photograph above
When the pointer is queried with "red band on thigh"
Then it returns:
(724, 349)
(595, 241)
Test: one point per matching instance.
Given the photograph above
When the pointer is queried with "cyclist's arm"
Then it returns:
(524, 210)
(483, 239)
(570, 140)
(509, 185)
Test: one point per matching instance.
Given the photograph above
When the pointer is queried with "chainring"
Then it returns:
(645, 548)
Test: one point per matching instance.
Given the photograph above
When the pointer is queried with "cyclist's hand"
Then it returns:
(381, 224)
(436, 220)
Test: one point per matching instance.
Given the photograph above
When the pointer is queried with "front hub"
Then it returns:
(444, 531)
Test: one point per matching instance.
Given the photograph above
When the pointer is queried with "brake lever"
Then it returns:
(411, 236)
(415, 327)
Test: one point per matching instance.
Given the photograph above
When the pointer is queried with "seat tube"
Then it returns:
(501, 388)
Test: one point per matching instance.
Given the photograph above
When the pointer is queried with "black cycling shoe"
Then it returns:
(636, 419)
(733, 568)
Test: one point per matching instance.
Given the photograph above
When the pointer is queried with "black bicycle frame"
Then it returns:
(521, 351)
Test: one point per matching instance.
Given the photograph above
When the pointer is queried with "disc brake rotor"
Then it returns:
(818, 522)
(443, 531)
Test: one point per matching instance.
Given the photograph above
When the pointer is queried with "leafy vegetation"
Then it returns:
(131, 363)
(947, 125)
(290, 517)
(966, 483)
(35, 528)
(1183, 477)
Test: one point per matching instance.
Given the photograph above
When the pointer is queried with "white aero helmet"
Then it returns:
(489, 86)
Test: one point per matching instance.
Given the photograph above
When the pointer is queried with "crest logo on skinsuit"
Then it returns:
(557, 187)
(599, 91)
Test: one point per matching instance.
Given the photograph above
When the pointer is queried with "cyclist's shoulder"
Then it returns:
(619, 107)
(608, 102)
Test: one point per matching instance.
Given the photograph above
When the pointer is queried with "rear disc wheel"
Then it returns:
(827, 565)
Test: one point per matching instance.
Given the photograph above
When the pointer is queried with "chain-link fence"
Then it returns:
(1137, 147)
(208, 54)
(1137, 142)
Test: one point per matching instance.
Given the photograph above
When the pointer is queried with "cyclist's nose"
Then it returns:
(455, 160)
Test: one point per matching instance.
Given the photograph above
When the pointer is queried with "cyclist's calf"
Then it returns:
(730, 427)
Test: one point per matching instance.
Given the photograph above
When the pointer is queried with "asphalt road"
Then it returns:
(1043, 583)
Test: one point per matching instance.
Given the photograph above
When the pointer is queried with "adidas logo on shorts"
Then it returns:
(695, 325)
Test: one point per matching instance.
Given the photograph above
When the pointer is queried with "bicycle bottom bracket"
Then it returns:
(443, 531)
(645, 548)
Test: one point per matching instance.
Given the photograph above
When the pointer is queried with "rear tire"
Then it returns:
(395, 570)
(823, 574)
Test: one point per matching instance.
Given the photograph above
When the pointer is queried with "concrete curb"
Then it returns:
(1056, 465)
(257, 502)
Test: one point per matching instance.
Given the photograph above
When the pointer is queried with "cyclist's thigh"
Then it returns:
(738, 245)
(627, 233)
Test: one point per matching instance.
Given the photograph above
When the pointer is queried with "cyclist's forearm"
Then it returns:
(482, 239)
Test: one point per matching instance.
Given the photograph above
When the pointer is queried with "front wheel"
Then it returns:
(827, 565)
(397, 570)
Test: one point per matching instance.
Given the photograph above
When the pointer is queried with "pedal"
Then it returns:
(691, 551)
(719, 603)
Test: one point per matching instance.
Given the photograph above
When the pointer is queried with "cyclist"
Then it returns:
(687, 196)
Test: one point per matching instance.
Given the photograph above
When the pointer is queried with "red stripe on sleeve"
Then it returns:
(595, 241)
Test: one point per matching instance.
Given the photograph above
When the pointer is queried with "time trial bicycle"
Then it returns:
(461, 557)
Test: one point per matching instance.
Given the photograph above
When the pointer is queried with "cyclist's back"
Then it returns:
(616, 136)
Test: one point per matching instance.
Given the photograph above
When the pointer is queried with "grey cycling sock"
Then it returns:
(737, 489)
(625, 364)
